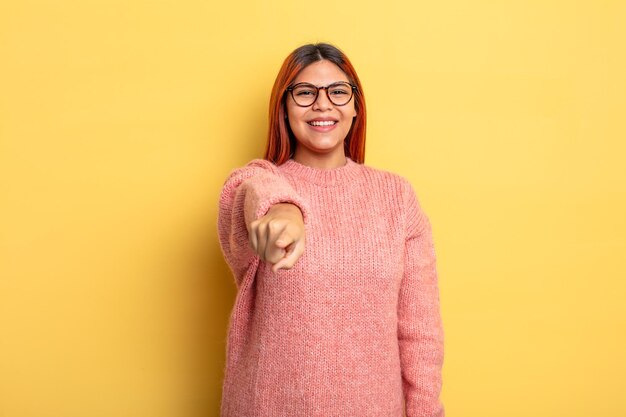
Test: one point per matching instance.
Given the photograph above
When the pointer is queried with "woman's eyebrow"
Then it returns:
(334, 82)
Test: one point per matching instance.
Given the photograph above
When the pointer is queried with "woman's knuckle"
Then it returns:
(274, 225)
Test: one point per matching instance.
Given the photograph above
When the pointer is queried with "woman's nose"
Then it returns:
(322, 102)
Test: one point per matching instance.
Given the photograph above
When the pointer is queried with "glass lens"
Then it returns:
(340, 94)
(304, 94)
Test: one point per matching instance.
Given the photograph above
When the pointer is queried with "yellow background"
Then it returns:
(119, 121)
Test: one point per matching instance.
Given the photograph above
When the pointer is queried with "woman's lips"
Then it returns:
(322, 125)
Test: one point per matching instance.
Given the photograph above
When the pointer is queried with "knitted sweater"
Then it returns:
(354, 328)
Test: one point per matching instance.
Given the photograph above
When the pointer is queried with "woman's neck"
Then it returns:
(328, 161)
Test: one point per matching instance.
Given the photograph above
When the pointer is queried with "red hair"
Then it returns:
(280, 140)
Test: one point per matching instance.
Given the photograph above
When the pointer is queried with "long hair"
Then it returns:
(281, 142)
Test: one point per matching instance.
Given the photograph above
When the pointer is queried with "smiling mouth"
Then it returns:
(322, 123)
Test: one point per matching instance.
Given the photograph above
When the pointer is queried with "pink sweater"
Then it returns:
(354, 329)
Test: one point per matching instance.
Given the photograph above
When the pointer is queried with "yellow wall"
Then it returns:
(119, 121)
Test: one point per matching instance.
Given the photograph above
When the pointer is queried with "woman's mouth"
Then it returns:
(322, 122)
(322, 126)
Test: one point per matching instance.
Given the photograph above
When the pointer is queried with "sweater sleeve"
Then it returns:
(247, 195)
(420, 330)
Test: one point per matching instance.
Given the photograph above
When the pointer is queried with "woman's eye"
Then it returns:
(338, 92)
(304, 93)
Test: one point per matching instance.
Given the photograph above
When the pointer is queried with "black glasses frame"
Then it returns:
(317, 92)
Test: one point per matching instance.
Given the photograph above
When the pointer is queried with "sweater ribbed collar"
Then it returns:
(325, 177)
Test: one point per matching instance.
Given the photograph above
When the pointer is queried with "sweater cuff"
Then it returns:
(263, 192)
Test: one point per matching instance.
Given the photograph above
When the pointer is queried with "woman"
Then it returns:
(337, 311)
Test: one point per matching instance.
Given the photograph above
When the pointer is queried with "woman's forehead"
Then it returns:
(321, 73)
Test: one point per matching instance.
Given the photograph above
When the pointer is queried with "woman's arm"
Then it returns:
(420, 330)
(248, 222)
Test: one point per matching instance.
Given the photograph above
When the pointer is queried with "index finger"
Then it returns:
(291, 257)
(284, 239)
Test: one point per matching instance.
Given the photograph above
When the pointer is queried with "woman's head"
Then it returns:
(319, 64)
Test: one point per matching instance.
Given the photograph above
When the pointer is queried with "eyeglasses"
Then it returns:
(305, 94)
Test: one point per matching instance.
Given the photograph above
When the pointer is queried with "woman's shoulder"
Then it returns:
(258, 163)
(394, 185)
(388, 177)
(253, 167)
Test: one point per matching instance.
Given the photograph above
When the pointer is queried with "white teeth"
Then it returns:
(324, 123)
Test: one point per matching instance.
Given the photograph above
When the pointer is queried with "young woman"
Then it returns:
(337, 311)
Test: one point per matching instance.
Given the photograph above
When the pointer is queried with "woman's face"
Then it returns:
(320, 129)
